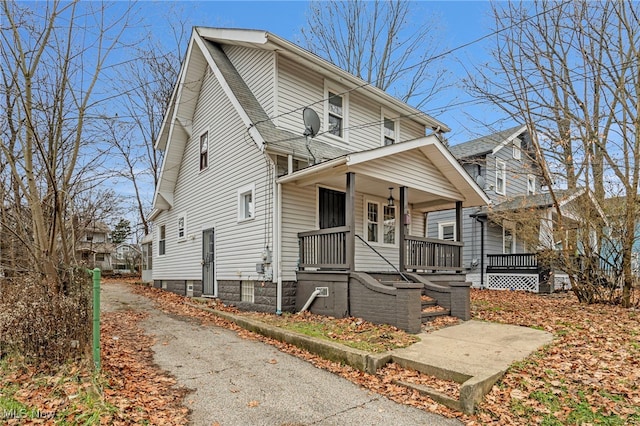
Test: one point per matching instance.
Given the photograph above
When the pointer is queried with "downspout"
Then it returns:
(278, 235)
(315, 293)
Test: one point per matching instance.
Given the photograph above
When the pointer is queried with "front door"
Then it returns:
(208, 276)
(331, 206)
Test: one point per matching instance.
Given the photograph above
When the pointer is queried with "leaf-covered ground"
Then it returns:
(590, 374)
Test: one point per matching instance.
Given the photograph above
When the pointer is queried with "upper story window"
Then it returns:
(204, 150)
(336, 114)
(246, 202)
(389, 132)
(501, 177)
(447, 231)
(381, 223)
(517, 148)
(531, 184)
(162, 240)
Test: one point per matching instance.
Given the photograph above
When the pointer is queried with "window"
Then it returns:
(372, 222)
(501, 177)
(381, 228)
(336, 114)
(246, 202)
(246, 291)
(99, 257)
(389, 132)
(517, 148)
(447, 231)
(531, 184)
(182, 227)
(162, 241)
(204, 150)
(89, 237)
(508, 238)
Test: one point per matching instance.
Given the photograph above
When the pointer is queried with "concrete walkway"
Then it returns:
(244, 382)
(474, 353)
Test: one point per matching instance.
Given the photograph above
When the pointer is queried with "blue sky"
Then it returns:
(462, 22)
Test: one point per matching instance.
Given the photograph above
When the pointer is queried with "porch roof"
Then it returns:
(434, 178)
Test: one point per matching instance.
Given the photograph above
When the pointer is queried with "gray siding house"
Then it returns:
(495, 254)
(250, 210)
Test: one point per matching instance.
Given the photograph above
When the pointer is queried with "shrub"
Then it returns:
(45, 327)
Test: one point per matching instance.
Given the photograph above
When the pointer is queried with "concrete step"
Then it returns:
(433, 312)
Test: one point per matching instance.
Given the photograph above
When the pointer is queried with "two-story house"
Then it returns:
(288, 183)
(94, 247)
(502, 239)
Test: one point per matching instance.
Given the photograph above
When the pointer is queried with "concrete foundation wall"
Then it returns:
(264, 295)
(180, 286)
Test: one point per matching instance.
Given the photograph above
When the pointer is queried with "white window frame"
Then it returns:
(204, 134)
(531, 184)
(501, 168)
(517, 149)
(380, 223)
(442, 225)
(383, 131)
(508, 226)
(181, 229)
(162, 240)
(243, 215)
(336, 90)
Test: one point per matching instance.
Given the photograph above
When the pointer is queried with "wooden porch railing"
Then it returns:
(432, 254)
(512, 262)
(324, 248)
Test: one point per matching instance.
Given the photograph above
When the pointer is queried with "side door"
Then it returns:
(208, 262)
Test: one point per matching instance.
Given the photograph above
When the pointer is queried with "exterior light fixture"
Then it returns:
(390, 200)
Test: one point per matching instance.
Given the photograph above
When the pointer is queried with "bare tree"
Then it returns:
(52, 56)
(570, 70)
(133, 134)
(381, 43)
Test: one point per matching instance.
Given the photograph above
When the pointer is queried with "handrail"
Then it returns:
(384, 258)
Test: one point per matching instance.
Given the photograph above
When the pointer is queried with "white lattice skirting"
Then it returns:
(526, 282)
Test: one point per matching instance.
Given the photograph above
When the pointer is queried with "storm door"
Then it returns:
(331, 205)
(208, 272)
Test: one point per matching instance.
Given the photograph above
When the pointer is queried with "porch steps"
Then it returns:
(431, 309)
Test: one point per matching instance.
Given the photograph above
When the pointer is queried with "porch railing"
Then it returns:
(324, 248)
(512, 262)
(432, 254)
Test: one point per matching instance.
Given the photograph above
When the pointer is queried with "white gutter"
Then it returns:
(278, 248)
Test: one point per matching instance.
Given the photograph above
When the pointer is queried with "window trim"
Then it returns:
(517, 149)
(380, 223)
(182, 237)
(507, 226)
(241, 193)
(531, 184)
(384, 116)
(344, 94)
(162, 240)
(501, 166)
(442, 225)
(200, 155)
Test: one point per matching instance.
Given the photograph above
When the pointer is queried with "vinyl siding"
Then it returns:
(299, 87)
(209, 197)
(517, 172)
(258, 69)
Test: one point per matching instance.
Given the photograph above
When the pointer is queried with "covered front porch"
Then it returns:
(369, 212)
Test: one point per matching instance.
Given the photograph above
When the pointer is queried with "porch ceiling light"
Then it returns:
(390, 200)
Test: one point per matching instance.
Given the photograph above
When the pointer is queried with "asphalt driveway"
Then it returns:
(244, 382)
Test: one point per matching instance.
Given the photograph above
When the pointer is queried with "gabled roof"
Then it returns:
(486, 144)
(539, 200)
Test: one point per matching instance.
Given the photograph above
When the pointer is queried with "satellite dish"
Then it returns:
(311, 122)
(480, 181)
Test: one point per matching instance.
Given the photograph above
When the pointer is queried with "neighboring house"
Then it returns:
(495, 252)
(127, 258)
(249, 210)
(94, 248)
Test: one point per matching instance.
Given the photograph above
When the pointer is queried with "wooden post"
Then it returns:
(404, 209)
(350, 219)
